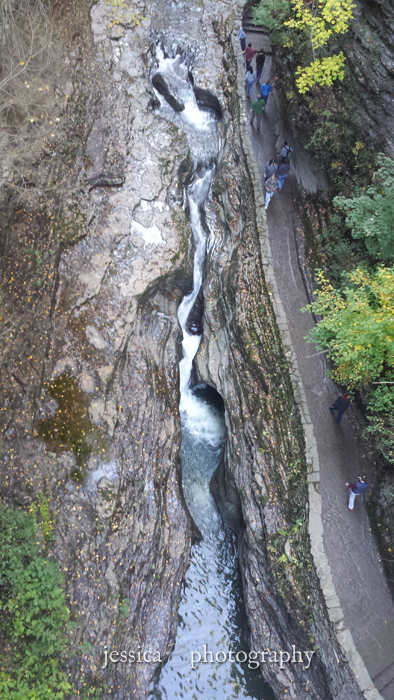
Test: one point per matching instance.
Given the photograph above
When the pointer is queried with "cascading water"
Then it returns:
(212, 618)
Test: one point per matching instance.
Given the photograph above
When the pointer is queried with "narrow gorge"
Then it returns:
(147, 394)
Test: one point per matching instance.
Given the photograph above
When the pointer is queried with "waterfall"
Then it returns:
(211, 612)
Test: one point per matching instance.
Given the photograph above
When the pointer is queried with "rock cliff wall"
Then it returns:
(91, 358)
(262, 487)
(95, 350)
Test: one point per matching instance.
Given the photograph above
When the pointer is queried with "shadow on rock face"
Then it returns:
(162, 87)
(208, 393)
(223, 489)
(175, 282)
(208, 102)
(194, 324)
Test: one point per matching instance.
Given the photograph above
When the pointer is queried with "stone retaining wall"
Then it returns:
(334, 609)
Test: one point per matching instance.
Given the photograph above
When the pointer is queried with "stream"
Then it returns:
(210, 655)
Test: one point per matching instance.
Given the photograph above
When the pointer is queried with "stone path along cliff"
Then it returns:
(351, 550)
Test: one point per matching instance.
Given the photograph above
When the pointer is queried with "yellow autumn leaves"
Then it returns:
(357, 325)
(320, 21)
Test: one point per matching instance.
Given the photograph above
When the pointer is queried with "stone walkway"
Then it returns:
(349, 545)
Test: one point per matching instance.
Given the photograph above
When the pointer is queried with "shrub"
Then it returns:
(381, 419)
(33, 613)
(272, 14)
(357, 325)
(370, 214)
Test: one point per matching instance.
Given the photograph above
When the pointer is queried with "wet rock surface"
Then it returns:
(370, 54)
(107, 316)
(261, 488)
(122, 532)
(162, 87)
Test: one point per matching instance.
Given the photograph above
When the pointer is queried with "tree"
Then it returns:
(28, 61)
(272, 15)
(381, 418)
(315, 21)
(357, 325)
(370, 215)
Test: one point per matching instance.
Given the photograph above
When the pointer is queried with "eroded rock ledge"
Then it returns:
(106, 317)
(265, 473)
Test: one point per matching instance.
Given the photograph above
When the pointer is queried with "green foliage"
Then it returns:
(272, 14)
(17, 546)
(39, 610)
(370, 214)
(33, 614)
(124, 609)
(333, 144)
(357, 325)
(343, 251)
(381, 419)
(47, 523)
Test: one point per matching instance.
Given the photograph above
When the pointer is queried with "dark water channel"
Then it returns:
(210, 658)
(212, 619)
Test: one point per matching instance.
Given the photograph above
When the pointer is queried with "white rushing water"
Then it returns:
(211, 612)
(197, 417)
(176, 72)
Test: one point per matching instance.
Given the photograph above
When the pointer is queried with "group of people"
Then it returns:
(341, 405)
(274, 175)
(253, 77)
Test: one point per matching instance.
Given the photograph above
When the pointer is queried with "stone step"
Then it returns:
(384, 682)
(249, 27)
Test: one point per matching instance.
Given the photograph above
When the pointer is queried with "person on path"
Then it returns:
(242, 38)
(270, 168)
(250, 79)
(260, 60)
(341, 405)
(265, 90)
(286, 151)
(271, 184)
(249, 53)
(258, 107)
(356, 489)
(283, 172)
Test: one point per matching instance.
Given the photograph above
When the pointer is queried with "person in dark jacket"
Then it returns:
(356, 489)
(270, 169)
(341, 405)
(283, 172)
(260, 60)
(286, 151)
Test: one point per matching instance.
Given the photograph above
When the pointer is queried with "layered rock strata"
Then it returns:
(104, 328)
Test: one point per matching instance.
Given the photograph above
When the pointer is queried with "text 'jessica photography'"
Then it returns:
(183, 656)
